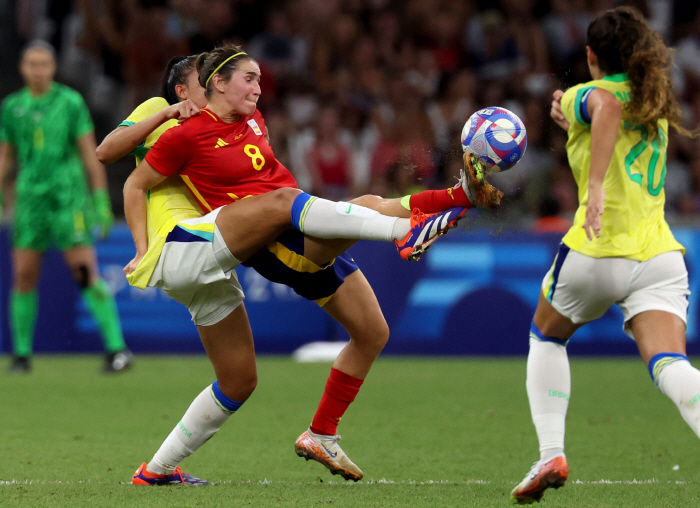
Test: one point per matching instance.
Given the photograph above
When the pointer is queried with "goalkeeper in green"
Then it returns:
(46, 129)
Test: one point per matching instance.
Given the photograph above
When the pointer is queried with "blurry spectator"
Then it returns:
(148, 46)
(444, 33)
(215, 19)
(493, 45)
(327, 160)
(678, 181)
(564, 189)
(332, 48)
(548, 220)
(423, 73)
(565, 28)
(284, 54)
(452, 109)
(406, 135)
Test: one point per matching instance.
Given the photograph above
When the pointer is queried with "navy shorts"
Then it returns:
(283, 261)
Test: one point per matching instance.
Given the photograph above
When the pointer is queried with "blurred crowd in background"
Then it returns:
(370, 96)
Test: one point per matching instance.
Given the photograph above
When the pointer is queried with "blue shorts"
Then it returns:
(283, 261)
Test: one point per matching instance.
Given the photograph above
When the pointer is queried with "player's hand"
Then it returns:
(479, 192)
(594, 211)
(183, 110)
(556, 112)
(133, 264)
(103, 211)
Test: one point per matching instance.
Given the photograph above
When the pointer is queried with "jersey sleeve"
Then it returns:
(171, 152)
(143, 111)
(574, 104)
(83, 121)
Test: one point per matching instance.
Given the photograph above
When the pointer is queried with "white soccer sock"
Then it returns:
(680, 382)
(328, 219)
(548, 388)
(201, 421)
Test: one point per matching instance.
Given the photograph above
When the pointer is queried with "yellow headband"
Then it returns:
(220, 66)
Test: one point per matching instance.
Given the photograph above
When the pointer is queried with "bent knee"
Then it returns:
(284, 197)
(372, 337)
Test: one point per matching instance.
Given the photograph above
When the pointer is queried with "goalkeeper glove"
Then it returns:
(103, 210)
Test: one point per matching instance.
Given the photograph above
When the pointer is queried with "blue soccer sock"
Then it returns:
(205, 416)
(676, 378)
(548, 389)
(329, 219)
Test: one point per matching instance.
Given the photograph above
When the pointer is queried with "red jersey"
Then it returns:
(220, 162)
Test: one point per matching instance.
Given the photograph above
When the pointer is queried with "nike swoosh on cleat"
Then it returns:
(333, 455)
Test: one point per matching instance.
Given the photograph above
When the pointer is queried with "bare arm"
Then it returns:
(141, 180)
(124, 139)
(605, 112)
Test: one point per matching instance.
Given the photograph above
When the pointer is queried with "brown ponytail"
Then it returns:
(624, 42)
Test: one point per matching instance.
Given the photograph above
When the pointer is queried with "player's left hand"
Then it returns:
(594, 211)
(103, 210)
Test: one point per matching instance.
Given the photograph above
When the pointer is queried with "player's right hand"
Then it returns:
(594, 212)
(133, 264)
(183, 110)
(556, 112)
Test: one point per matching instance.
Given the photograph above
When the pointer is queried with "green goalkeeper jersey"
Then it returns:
(44, 131)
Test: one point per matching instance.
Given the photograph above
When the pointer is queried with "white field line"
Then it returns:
(382, 481)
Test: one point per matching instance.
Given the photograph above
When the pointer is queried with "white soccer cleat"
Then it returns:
(542, 476)
(327, 451)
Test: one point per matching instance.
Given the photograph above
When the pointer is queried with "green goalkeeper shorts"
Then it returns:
(41, 223)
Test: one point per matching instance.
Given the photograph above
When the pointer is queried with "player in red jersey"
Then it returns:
(223, 156)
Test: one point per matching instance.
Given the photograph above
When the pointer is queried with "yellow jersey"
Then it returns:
(633, 224)
(169, 202)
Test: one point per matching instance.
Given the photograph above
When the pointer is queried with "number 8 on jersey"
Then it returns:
(256, 157)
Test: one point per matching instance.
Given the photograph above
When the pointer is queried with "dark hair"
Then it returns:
(176, 74)
(624, 42)
(208, 64)
(38, 44)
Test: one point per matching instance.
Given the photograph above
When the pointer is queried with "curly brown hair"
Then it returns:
(208, 64)
(624, 42)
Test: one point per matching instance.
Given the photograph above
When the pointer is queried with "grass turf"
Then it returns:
(426, 432)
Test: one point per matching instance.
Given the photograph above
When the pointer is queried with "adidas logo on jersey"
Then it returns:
(221, 143)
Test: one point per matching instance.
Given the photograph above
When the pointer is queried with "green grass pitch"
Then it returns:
(426, 432)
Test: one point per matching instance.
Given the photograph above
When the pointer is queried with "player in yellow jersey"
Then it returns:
(620, 248)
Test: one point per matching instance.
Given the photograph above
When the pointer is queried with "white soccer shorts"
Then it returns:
(196, 269)
(582, 288)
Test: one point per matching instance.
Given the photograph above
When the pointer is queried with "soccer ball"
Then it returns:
(495, 135)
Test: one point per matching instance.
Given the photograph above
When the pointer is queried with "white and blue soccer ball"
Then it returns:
(497, 136)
